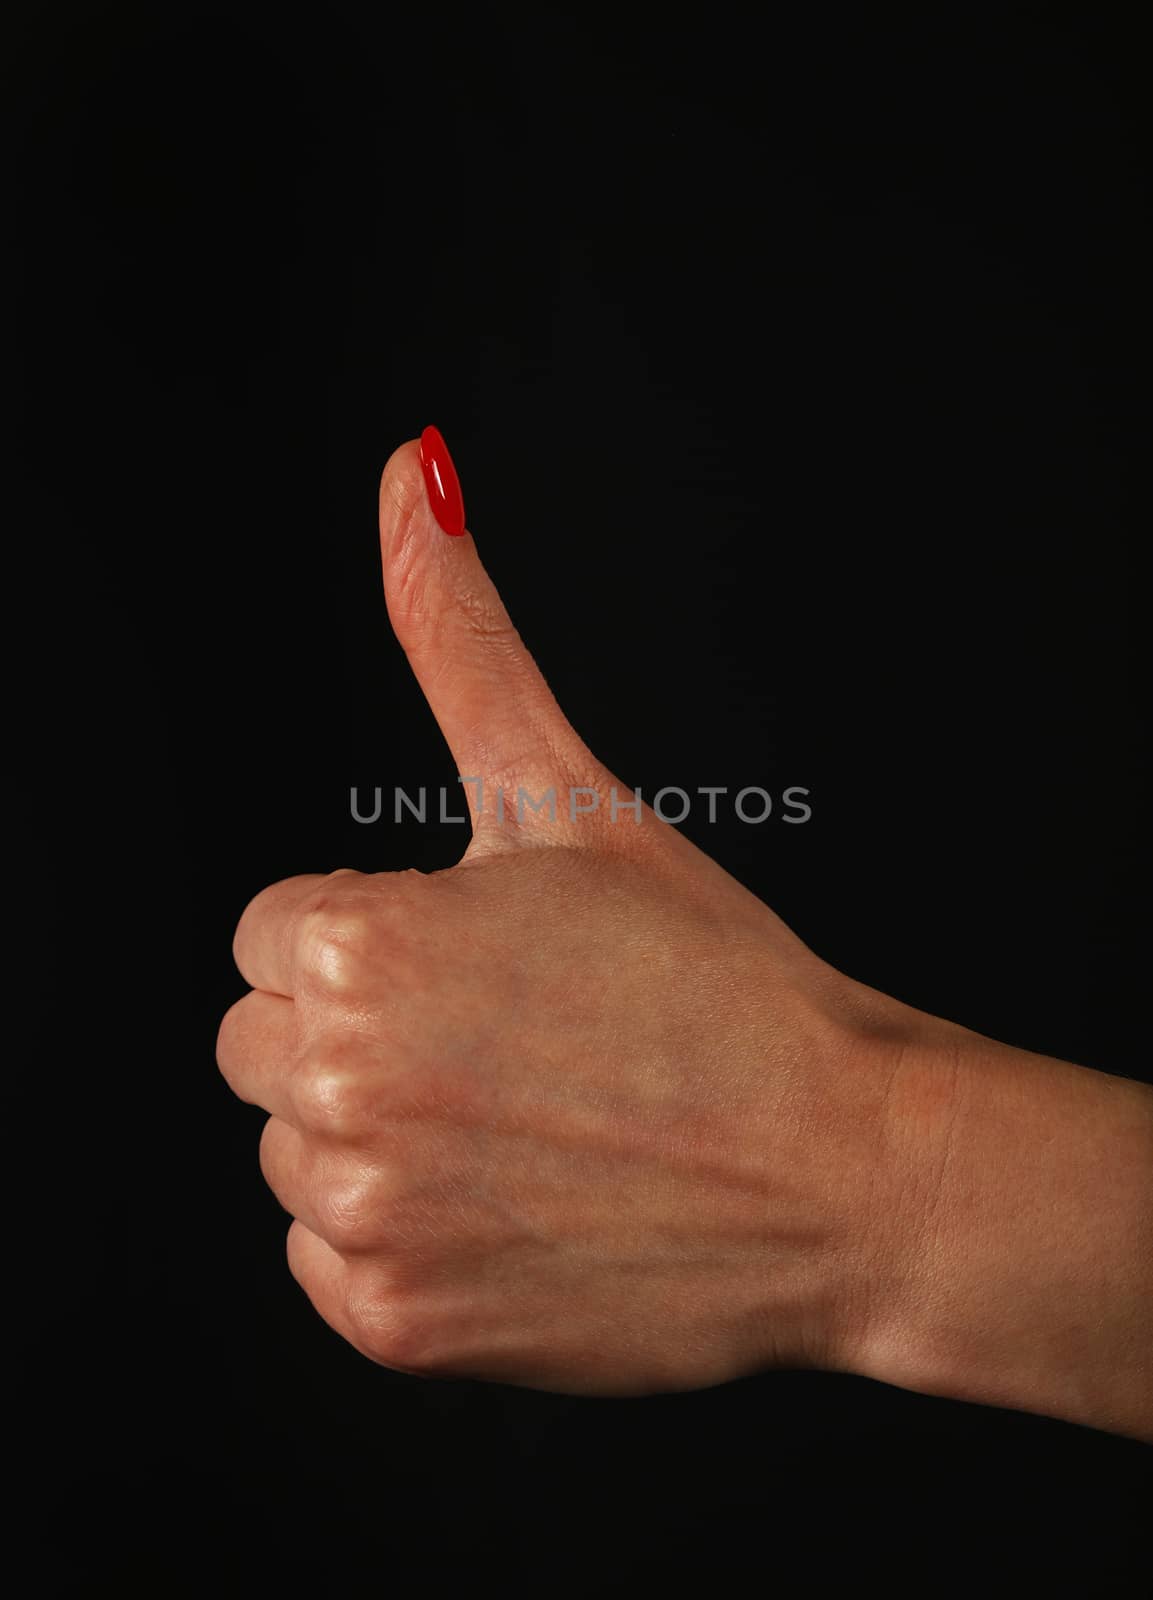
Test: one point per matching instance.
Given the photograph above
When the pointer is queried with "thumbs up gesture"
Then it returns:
(579, 1113)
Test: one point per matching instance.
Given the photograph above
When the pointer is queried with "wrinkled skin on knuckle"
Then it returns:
(316, 940)
(335, 949)
(486, 623)
(350, 1208)
(330, 1092)
(367, 939)
(393, 1323)
(475, 618)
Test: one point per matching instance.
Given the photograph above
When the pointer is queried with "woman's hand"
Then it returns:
(580, 1113)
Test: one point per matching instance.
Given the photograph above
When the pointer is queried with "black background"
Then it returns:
(786, 370)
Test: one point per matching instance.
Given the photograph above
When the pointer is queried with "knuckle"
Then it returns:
(333, 940)
(486, 622)
(330, 1100)
(329, 1092)
(350, 1215)
(393, 1325)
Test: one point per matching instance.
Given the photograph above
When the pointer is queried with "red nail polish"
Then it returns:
(441, 481)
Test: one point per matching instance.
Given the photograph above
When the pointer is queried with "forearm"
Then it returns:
(1022, 1275)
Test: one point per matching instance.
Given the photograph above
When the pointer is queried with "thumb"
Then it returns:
(498, 715)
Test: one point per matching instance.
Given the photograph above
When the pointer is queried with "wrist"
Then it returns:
(1016, 1265)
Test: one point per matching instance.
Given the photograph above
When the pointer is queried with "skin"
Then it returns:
(581, 1114)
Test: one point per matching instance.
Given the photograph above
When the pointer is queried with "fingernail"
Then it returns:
(441, 481)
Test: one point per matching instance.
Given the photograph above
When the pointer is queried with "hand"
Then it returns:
(578, 1113)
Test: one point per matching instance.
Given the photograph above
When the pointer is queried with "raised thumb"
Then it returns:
(505, 730)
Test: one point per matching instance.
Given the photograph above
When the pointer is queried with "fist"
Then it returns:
(579, 1113)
